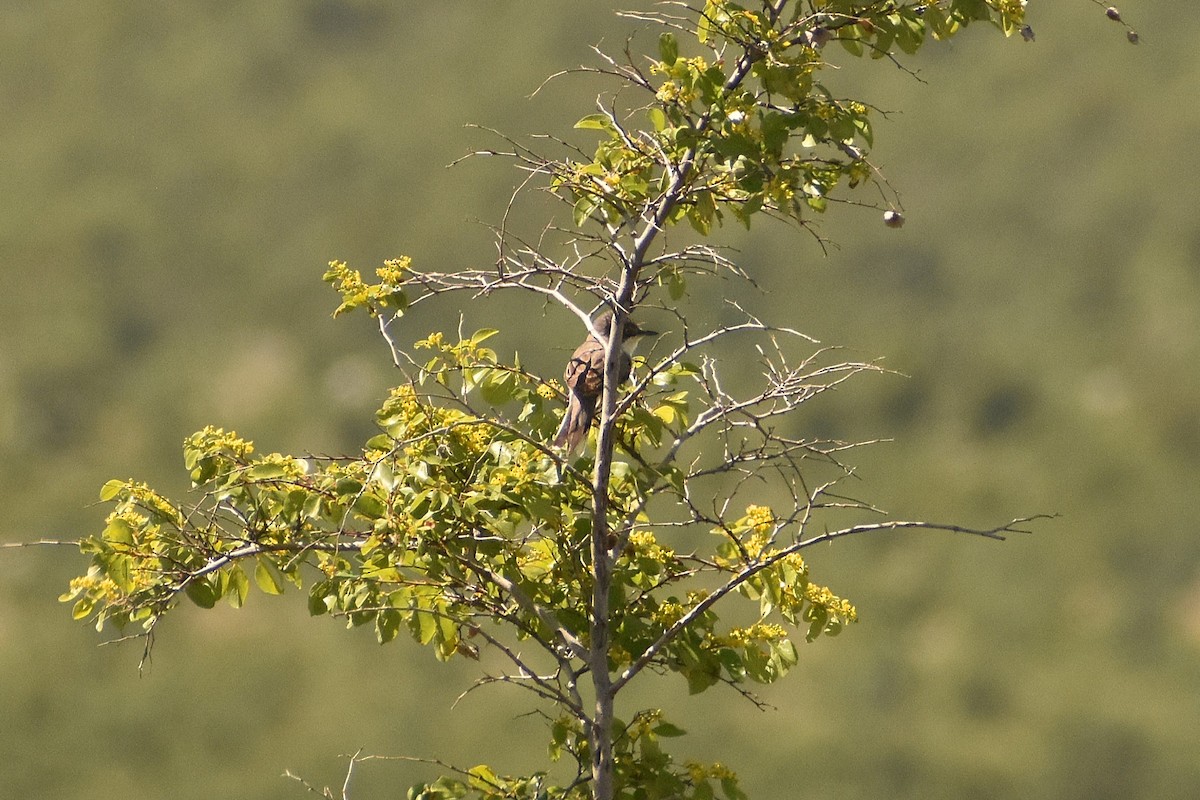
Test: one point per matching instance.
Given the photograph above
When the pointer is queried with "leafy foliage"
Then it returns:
(446, 526)
(748, 127)
(458, 526)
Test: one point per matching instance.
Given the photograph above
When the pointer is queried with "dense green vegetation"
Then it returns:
(177, 179)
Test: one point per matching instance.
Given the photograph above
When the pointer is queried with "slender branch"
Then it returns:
(42, 543)
(750, 571)
(544, 614)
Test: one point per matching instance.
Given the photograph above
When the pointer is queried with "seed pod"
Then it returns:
(893, 219)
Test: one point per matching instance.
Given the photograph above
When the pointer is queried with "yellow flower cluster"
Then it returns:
(794, 562)
(130, 517)
(668, 92)
(827, 112)
(758, 522)
(754, 546)
(619, 656)
(103, 589)
(697, 64)
(644, 544)
(403, 398)
(754, 634)
(292, 467)
(474, 435)
(357, 293)
(701, 772)
(434, 341)
(761, 518)
(1013, 9)
(645, 722)
(464, 353)
(213, 438)
(667, 614)
(392, 271)
(821, 596)
(670, 612)
(348, 283)
(152, 501)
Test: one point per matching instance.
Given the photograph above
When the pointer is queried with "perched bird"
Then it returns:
(584, 377)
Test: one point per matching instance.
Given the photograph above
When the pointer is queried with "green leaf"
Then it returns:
(238, 587)
(497, 387)
(260, 472)
(318, 598)
(852, 46)
(668, 49)
(312, 506)
(426, 627)
(819, 618)
(910, 34)
(842, 127)
(111, 490)
(447, 629)
(700, 222)
(584, 207)
(595, 122)
(117, 569)
(82, 608)
(657, 118)
(118, 531)
(667, 730)
(380, 441)
(370, 506)
(202, 593)
(384, 475)
(676, 285)
(730, 787)
(483, 779)
(387, 625)
(267, 577)
(704, 28)
(699, 679)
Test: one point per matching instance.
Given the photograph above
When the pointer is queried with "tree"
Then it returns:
(460, 525)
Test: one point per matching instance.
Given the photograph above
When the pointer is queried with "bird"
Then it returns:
(584, 376)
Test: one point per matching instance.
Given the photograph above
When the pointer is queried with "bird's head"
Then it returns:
(629, 334)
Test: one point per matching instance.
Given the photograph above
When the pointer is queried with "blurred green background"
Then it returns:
(175, 176)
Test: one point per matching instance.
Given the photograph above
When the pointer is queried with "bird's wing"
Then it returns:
(585, 371)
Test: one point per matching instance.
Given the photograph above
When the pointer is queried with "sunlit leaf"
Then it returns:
(598, 122)
(267, 578)
(238, 588)
(111, 489)
(668, 48)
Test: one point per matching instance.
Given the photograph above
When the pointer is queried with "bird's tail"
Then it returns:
(576, 422)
